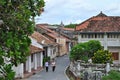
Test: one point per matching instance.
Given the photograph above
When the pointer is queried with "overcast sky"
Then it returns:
(76, 11)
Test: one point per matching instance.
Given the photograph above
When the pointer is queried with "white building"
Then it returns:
(104, 28)
(50, 47)
(34, 61)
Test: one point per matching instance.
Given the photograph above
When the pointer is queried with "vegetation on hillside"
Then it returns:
(70, 26)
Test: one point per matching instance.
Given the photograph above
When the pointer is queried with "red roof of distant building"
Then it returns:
(100, 23)
(34, 49)
(44, 26)
(40, 38)
(51, 33)
(69, 29)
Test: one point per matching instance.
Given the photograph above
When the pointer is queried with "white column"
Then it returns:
(49, 51)
(79, 38)
(29, 64)
(70, 46)
(35, 61)
(41, 59)
(105, 42)
(21, 70)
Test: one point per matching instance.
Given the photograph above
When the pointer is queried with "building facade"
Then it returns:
(33, 63)
(104, 28)
(50, 47)
(63, 42)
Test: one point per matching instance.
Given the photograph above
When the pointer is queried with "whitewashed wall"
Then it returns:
(37, 61)
(19, 71)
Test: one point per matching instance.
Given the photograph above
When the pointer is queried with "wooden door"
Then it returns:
(115, 55)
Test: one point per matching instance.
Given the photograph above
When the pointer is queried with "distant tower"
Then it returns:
(59, 28)
(61, 24)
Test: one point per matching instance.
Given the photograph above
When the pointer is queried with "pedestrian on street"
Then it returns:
(47, 66)
(53, 64)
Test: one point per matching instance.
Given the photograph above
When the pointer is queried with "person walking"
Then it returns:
(46, 66)
(53, 64)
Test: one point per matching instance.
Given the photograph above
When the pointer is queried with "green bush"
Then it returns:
(93, 46)
(78, 51)
(84, 51)
(113, 75)
(102, 56)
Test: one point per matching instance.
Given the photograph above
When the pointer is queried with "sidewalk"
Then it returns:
(27, 75)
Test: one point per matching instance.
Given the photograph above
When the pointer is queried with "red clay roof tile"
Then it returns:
(42, 39)
(69, 29)
(100, 23)
(50, 33)
(34, 49)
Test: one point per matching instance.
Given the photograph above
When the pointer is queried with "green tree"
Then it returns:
(16, 25)
(78, 51)
(102, 56)
(70, 26)
(84, 51)
(93, 46)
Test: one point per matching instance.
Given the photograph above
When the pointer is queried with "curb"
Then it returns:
(65, 73)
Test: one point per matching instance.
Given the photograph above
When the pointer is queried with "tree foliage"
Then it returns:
(93, 46)
(102, 56)
(70, 26)
(17, 23)
(86, 50)
(78, 51)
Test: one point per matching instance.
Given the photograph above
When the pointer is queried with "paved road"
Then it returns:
(59, 74)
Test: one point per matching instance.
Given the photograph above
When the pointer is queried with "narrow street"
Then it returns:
(59, 74)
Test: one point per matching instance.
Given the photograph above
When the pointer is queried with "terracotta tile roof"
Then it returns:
(50, 33)
(34, 49)
(42, 39)
(43, 26)
(69, 29)
(100, 23)
(56, 36)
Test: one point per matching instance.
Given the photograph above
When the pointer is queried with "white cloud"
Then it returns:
(76, 10)
(78, 21)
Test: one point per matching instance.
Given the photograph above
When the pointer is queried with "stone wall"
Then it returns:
(90, 71)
